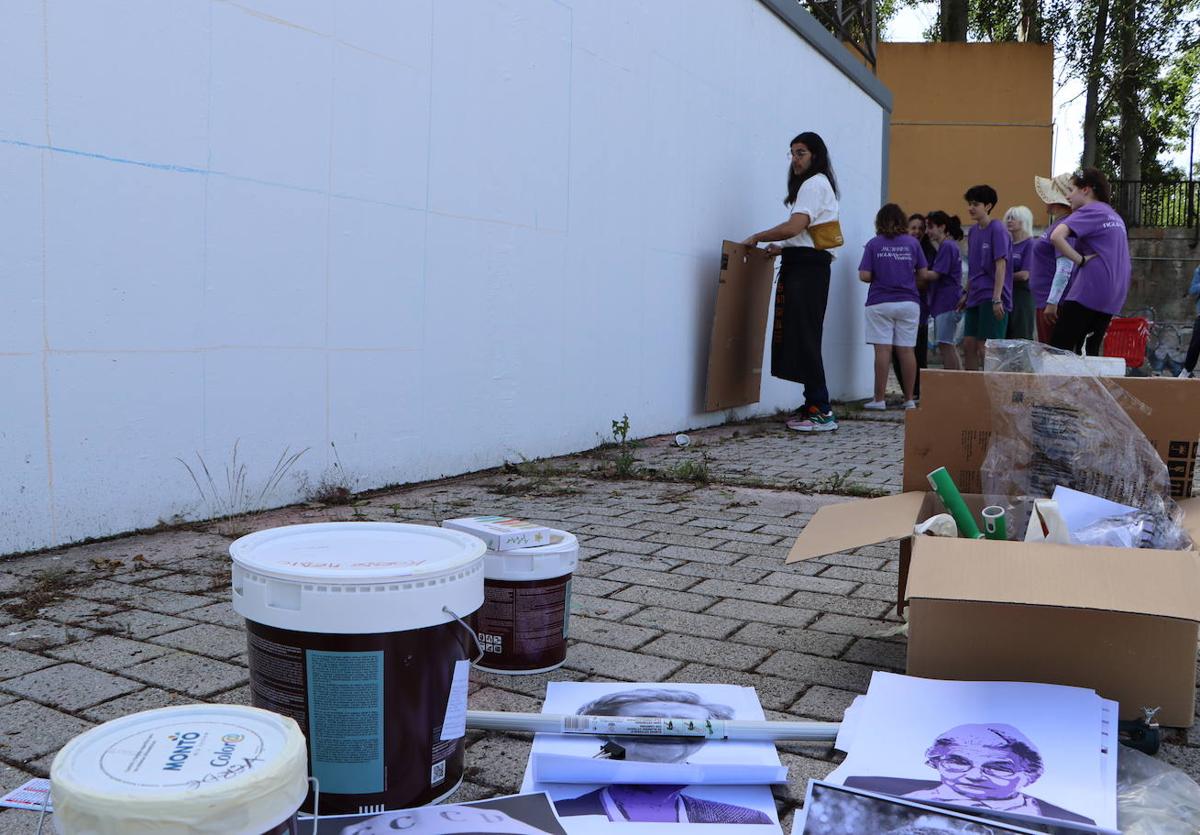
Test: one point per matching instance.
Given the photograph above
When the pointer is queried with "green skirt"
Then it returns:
(1022, 322)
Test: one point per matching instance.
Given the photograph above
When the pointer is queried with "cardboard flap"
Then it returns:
(853, 524)
(1139, 581)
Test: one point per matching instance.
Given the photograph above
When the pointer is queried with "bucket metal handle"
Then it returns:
(470, 631)
(42, 814)
(316, 818)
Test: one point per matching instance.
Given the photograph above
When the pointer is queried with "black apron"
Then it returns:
(800, 299)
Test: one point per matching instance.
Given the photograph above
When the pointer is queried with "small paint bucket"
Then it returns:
(523, 623)
(356, 631)
(196, 769)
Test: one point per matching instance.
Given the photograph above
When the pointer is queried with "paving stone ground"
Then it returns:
(678, 581)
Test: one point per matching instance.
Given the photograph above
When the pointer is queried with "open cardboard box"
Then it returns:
(1121, 621)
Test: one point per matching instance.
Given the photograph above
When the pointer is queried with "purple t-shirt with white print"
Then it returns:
(984, 248)
(947, 290)
(1103, 282)
(1041, 263)
(893, 265)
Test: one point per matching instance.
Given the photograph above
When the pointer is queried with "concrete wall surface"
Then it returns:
(966, 114)
(1163, 261)
(412, 238)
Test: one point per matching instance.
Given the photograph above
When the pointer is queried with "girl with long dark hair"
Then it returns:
(944, 231)
(1103, 269)
(812, 201)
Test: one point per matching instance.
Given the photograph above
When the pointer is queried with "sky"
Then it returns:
(910, 23)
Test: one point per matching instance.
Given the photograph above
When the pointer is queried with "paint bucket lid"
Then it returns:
(189, 769)
(538, 562)
(356, 577)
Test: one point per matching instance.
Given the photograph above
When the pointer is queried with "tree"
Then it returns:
(954, 20)
(1031, 21)
(1092, 83)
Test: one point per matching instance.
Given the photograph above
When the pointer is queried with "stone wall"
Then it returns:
(1163, 261)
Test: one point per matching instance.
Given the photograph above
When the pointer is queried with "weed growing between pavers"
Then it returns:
(234, 497)
(334, 487)
(47, 587)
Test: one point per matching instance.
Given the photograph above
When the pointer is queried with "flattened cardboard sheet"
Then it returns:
(739, 327)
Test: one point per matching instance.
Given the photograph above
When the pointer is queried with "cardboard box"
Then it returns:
(952, 426)
(739, 327)
(1121, 621)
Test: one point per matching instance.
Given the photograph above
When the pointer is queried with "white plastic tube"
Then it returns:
(736, 729)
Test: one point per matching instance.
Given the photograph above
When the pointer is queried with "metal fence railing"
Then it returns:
(1165, 204)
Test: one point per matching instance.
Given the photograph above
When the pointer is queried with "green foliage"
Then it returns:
(625, 464)
(696, 471)
(620, 430)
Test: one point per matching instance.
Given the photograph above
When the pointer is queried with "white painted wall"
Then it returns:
(436, 233)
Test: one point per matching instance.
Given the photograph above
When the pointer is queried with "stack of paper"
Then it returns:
(1029, 753)
(648, 783)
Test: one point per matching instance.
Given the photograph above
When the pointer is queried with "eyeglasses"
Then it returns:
(799, 154)
(961, 765)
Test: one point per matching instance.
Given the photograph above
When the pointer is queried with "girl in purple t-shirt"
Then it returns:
(989, 284)
(1049, 271)
(946, 291)
(892, 262)
(1102, 266)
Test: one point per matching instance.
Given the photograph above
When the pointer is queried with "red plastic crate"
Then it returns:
(1126, 338)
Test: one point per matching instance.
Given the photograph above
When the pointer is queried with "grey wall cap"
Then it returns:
(822, 40)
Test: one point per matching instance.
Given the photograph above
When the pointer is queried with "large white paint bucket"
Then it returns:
(189, 770)
(523, 623)
(355, 632)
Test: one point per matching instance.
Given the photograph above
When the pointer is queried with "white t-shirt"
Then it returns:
(817, 200)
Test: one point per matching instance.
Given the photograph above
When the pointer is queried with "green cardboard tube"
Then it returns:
(947, 491)
(995, 522)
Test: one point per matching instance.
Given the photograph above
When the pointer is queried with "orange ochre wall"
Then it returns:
(966, 114)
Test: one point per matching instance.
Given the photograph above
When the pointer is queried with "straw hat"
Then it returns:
(1053, 191)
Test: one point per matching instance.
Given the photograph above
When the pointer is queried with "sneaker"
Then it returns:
(1185, 374)
(815, 422)
(910, 404)
(875, 406)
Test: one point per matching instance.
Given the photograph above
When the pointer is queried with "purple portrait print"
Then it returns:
(656, 804)
(984, 766)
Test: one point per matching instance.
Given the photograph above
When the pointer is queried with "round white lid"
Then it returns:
(356, 552)
(557, 557)
(194, 768)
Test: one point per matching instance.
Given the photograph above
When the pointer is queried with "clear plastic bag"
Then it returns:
(1063, 425)
(1154, 797)
(1133, 530)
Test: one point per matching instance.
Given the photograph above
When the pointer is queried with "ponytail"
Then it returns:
(953, 225)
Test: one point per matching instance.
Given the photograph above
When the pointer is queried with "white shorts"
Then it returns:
(893, 323)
